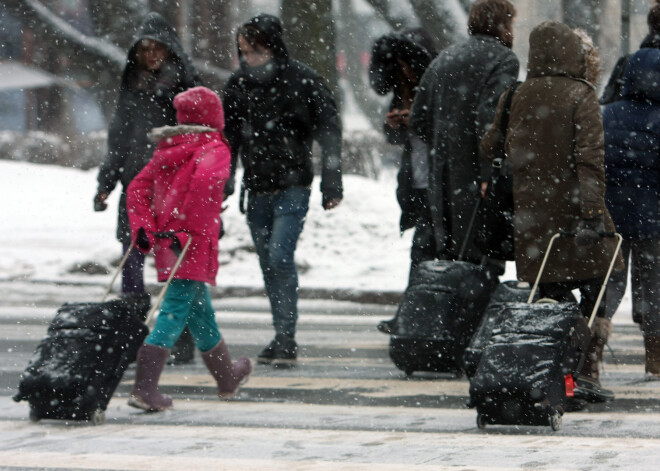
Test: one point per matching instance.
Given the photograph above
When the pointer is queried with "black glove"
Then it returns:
(142, 241)
(99, 201)
(588, 231)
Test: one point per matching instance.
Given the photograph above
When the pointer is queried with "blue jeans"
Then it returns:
(276, 221)
(186, 302)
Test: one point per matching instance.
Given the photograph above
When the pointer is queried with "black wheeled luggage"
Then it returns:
(438, 314)
(506, 292)
(77, 367)
(527, 369)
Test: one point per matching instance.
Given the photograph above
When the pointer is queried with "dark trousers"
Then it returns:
(423, 243)
(589, 290)
(643, 259)
(132, 275)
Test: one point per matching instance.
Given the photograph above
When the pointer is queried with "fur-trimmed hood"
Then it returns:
(165, 132)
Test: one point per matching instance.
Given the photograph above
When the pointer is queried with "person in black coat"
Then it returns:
(454, 106)
(157, 69)
(613, 89)
(275, 108)
(632, 157)
(398, 61)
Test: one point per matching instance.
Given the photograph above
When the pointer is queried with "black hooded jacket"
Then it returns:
(414, 48)
(142, 108)
(613, 90)
(272, 122)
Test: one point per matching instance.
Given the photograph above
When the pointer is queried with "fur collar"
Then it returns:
(164, 132)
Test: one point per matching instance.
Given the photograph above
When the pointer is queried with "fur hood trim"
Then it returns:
(164, 132)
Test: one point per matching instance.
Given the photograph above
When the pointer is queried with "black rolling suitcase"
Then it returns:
(78, 365)
(439, 312)
(506, 292)
(527, 369)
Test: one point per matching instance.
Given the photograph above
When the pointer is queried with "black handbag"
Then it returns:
(494, 234)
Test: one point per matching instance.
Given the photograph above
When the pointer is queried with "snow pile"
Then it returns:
(49, 227)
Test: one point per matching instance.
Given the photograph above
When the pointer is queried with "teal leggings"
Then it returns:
(186, 302)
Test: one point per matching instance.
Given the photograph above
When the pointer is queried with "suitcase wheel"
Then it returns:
(409, 373)
(555, 421)
(34, 415)
(481, 421)
(97, 417)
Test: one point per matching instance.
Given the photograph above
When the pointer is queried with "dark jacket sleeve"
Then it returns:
(112, 166)
(232, 99)
(420, 115)
(612, 91)
(503, 75)
(327, 132)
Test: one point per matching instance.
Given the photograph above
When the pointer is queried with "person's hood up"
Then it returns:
(412, 46)
(156, 28)
(555, 50)
(641, 79)
(271, 27)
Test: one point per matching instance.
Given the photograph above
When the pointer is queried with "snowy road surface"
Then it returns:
(344, 407)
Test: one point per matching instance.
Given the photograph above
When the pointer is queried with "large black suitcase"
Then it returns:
(438, 314)
(506, 292)
(527, 370)
(77, 367)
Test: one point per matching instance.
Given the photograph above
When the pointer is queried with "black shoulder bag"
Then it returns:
(494, 234)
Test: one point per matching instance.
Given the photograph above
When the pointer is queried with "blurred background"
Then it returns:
(61, 60)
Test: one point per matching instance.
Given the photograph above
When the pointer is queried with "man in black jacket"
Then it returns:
(275, 107)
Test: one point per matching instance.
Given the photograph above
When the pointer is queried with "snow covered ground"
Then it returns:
(49, 227)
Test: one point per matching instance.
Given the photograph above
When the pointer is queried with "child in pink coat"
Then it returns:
(180, 193)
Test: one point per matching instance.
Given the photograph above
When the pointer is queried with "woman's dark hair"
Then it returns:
(254, 37)
(653, 18)
(492, 18)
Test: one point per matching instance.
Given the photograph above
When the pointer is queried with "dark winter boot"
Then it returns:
(386, 327)
(228, 375)
(150, 363)
(183, 351)
(652, 347)
(587, 385)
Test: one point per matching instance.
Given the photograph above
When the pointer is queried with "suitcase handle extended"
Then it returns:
(117, 271)
(607, 276)
(161, 295)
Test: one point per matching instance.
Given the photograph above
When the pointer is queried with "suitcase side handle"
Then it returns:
(607, 275)
(161, 295)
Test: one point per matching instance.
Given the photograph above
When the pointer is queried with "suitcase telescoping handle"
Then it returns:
(161, 295)
(118, 271)
(607, 276)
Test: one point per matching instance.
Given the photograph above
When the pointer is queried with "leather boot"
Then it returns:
(150, 363)
(228, 375)
(588, 386)
(652, 348)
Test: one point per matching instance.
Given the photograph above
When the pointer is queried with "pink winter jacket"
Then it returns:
(180, 190)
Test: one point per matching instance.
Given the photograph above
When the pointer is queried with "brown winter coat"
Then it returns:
(555, 146)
